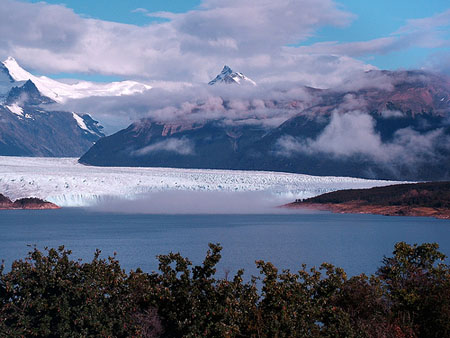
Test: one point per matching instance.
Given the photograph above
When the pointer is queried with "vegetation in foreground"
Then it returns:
(48, 294)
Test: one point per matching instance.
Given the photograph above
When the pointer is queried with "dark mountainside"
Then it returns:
(417, 199)
(28, 128)
(405, 134)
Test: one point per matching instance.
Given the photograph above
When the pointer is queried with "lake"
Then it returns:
(355, 242)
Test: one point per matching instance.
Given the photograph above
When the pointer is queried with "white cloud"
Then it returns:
(249, 35)
(181, 146)
(431, 32)
(354, 134)
(199, 103)
(252, 36)
(391, 114)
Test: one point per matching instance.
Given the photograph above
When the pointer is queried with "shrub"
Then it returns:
(50, 295)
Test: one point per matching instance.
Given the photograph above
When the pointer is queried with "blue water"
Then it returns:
(355, 242)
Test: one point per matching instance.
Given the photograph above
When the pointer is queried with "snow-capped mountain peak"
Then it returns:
(17, 72)
(60, 92)
(228, 76)
(226, 70)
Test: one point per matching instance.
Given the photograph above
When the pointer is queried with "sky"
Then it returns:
(178, 46)
(317, 42)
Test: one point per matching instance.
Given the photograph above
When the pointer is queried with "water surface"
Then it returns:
(355, 242)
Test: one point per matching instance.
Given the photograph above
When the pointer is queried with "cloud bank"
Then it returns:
(199, 103)
(195, 202)
(353, 134)
(189, 46)
(265, 39)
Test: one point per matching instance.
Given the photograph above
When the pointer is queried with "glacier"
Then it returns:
(68, 183)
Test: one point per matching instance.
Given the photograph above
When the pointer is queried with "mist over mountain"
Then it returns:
(385, 124)
(379, 124)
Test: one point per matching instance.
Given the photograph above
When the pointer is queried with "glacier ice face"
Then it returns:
(67, 183)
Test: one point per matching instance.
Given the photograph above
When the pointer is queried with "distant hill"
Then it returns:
(417, 199)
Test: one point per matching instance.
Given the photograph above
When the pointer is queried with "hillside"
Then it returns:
(417, 199)
(29, 126)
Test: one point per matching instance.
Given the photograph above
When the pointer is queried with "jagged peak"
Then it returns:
(32, 94)
(16, 71)
(228, 76)
(11, 63)
(226, 70)
(30, 84)
(10, 59)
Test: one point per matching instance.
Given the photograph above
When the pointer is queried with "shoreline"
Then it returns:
(361, 208)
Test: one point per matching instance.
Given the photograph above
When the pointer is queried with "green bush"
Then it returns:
(50, 295)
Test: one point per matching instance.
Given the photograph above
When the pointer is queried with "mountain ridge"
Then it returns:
(29, 128)
(404, 128)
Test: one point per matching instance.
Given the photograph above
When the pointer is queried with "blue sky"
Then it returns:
(314, 42)
(122, 10)
(381, 18)
(373, 19)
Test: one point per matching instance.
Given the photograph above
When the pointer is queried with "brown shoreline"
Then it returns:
(30, 203)
(355, 207)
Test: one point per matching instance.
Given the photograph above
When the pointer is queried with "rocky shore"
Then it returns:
(30, 203)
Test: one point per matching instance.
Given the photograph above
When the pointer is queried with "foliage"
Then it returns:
(50, 295)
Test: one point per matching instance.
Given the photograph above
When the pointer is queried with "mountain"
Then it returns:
(60, 92)
(26, 93)
(229, 77)
(400, 131)
(29, 128)
(6, 81)
(182, 145)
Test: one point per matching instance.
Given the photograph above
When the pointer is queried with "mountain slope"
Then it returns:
(402, 131)
(418, 199)
(182, 145)
(28, 129)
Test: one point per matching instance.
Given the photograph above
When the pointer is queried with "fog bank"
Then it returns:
(197, 202)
